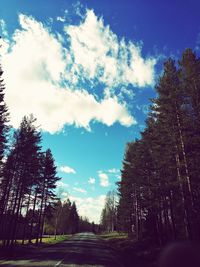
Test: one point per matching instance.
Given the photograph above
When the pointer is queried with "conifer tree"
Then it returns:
(47, 187)
(160, 190)
(73, 219)
(3, 140)
(20, 171)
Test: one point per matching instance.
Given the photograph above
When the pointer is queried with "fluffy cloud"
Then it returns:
(67, 169)
(99, 54)
(104, 179)
(89, 206)
(40, 69)
(91, 180)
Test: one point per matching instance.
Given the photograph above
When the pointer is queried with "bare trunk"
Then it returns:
(32, 218)
(25, 219)
(42, 221)
(184, 158)
(185, 215)
(172, 214)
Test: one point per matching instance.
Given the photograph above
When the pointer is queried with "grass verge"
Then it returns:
(28, 248)
(47, 240)
(130, 252)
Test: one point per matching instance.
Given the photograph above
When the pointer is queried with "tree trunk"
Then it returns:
(32, 217)
(25, 219)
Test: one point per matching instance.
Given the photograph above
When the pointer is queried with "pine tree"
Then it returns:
(160, 190)
(20, 171)
(73, 219)
(47, 187)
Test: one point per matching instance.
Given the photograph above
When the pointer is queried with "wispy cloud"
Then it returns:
(114, 170)
(91, 180)
(99, 54)
(61, 184)
(67, 169)
(61, 188)
(3, 28)
(61, 19)
(80, 190)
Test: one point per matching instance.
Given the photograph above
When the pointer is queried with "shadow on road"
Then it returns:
(82, 249)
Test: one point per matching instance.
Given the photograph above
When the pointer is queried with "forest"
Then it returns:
(158, 197)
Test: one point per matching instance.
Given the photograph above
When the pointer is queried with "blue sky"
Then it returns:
(86, 70)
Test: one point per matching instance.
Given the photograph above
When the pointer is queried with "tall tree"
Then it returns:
(47, 187)
(20, 172)
(3, 139)
(160, 189)
(73, 219)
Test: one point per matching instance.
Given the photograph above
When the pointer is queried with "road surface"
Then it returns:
(84, 249)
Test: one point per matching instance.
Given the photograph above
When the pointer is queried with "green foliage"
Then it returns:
(63, 220)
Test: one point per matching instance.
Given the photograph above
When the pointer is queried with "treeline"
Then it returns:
(108, 219)
(63, 219)
(159, 193)
(27, 179)
(29, 207)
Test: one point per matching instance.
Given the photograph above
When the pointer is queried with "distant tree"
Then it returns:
(109, 212)
(74, 219)
(65, 217)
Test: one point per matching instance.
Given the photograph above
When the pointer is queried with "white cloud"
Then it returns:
(61, 184)
(80, 190)
(67, 169)
(38, 78)
(61, 19)
(40, 71)
(61, 189)
(144, 108)
(104, 180)
(98, 53)
(114, 170)
(4, 43)
(89, 206)
(91, 180)
(3, 28)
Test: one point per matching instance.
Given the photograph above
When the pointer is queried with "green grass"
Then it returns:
(27, 249)
(45, 240)
(52, 240)
(113, 235)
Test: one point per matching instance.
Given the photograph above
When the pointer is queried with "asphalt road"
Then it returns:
(84, 249)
